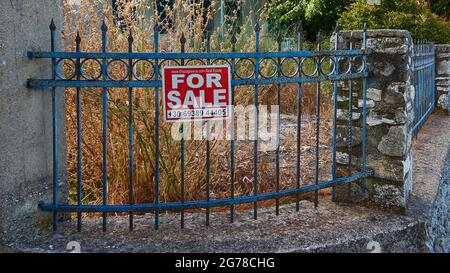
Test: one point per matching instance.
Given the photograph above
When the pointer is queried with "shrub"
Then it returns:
(285, 15)
(441, 7)
(400, 14)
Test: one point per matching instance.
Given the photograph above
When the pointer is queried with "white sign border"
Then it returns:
(230, 93)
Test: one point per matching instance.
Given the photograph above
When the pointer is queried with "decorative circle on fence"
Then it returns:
(310, 65)
(117, 70)
(268, 68)
(286, 66)
(327, 66)
(358, 64)
(91, 69)
(68, 69)
(243, 66)
(143, 70)
(344, 66)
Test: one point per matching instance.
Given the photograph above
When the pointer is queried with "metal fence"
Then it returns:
(424, 83)
(297, 76)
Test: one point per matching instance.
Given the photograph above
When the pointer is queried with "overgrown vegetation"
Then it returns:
(285, 15)
(421, 19)
(138, 19)
(441, 7)
(411, 15)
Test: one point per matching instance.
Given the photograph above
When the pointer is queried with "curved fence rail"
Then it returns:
(323, 66)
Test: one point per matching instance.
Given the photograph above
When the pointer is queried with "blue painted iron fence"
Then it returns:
(424, 83)
(346, 65)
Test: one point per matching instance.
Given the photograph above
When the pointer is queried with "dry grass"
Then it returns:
(88, 23)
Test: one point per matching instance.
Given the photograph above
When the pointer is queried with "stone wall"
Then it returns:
(438, 227)
(443, 77)
(26, 116)
(390, 116)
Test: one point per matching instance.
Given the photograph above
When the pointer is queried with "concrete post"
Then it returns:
(26, 117)
(443, 78)
(389, 121)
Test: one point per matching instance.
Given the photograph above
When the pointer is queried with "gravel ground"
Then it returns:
(329, 228)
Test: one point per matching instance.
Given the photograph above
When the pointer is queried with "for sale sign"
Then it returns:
(196, 92)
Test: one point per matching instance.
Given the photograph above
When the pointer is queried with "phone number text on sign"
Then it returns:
(193, 93)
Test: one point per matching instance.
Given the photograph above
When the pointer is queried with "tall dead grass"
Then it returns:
(191, 19)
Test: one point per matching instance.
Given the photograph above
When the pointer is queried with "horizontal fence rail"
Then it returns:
(424, 83)
(300, 58)
(343, 65)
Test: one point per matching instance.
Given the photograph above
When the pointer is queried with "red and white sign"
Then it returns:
(193, 93)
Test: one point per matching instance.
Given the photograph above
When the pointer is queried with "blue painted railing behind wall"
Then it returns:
(424, 83)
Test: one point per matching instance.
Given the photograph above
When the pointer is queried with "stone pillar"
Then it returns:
(389, 121)
(26, 116)
(443, 78)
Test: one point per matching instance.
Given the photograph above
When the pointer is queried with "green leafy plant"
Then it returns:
(400, 14)
(285, 15)
(441, 7)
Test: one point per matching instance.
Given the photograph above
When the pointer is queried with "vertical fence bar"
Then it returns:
(433, 77)
(422, 91)
(130, 132)
(419, 99)
(364, 114)
(349, 122)
(232, 167)
(416, 87)
(299, 118)
(414, 82)
(335, 91)
(424, 78)
(419, 84)
(316, 169)
(55, 129)
(426, 81)
(104, 29)
(79, 132)
(208, 142)
(418, 80)
(256, 122)
(430, 79)
(277, 152)
(428, 76)
(427, 84)
(156, 42)
(182, 143)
